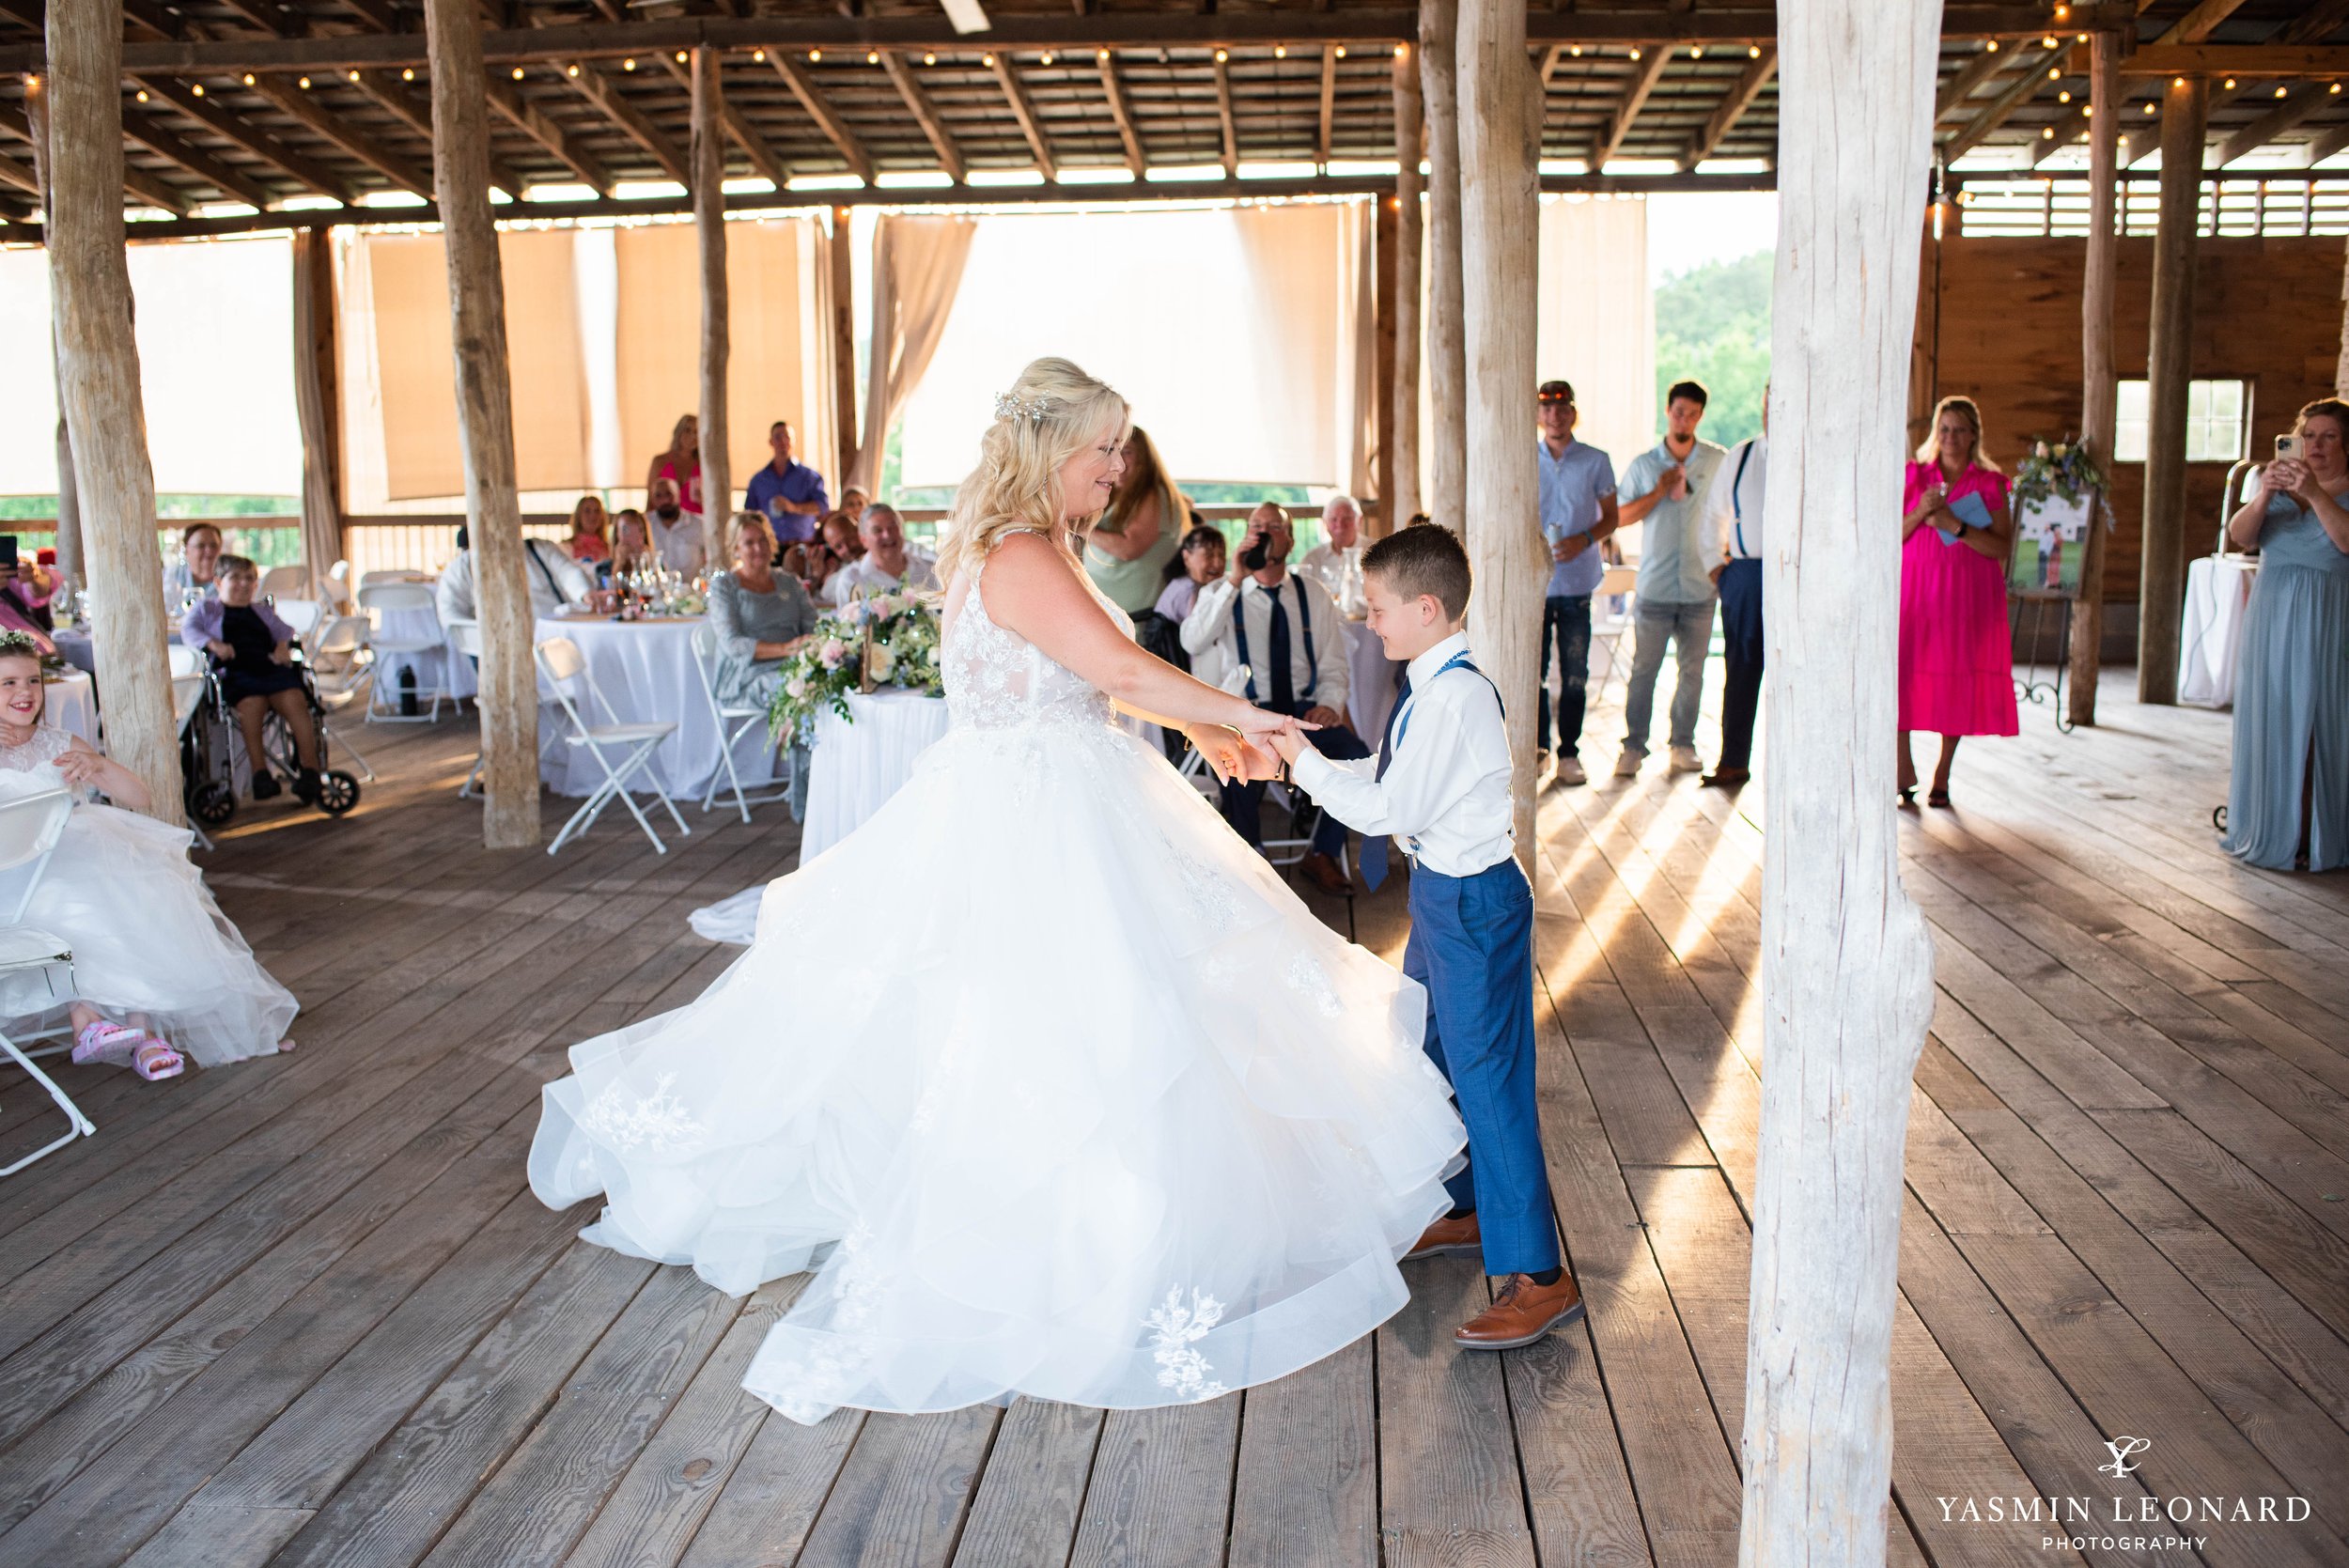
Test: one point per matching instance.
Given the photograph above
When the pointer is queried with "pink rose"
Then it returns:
(832, 653)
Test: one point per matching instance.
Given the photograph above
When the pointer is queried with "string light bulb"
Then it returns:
(1102, 56)
(198, 88)
(2088, 111)
(815, 57)
(2055, 73)
(1696, 51)
(571, 71)
(1048, 57)
(1280, 51)
(518, 73)
(354, 76)
(2064, 97)
(1635, 54)
(2047, 42)
(680, 57)
(1402, 51)
(1753, 52)
(988, 60)
(2177, 80)
(1341, 52)
(2149, 108)
(141, 95)
(1574, 50)
(2281, 92)
(248, 78)
(2227, 84)
(629, 64)
(759, 54)
(1222, 55)
(872, 57)
(2048, 134)
(2334, 88)
(407, 73)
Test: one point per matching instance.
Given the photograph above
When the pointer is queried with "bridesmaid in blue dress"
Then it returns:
(2288, 801)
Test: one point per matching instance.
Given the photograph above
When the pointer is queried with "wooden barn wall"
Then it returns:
(1998, 320)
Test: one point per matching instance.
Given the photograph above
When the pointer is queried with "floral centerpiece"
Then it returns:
(886, 640)
(2058, 490)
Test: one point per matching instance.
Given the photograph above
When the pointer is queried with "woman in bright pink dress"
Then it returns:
(1956, 653)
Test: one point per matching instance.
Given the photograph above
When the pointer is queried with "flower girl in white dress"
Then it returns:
(1115, 1120)
(159, 971)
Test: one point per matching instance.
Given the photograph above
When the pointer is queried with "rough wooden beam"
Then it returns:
(1972, 74)
(827, 119)
(1030, 124)
(380, 12)
(542, 128)
(605, 94)
(1724, 119)
(1550, 58)
(2199, 22)
(1120, 111)
(926, 114)
(1648, 70)
(755, 146)
(20, 175)
(485, 424)
(2317, 21)
(2285, 115)
(1402, 415)
(1329, 108)
(2028, 81)
(312, 174)
(416, 114)
(2326, 62)
(1223, 116)
(334, 128)
(2100, 390)
(149, 131)
(266, 15)
(1446, 438)
(149, 189)
(2326, 145)
(2168, 360)
(708, 170)
(97, 389)
(929, 28)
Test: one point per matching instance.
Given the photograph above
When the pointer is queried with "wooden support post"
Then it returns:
(1384, 224)
(1500, 204)
(2099, 391)
(1846, 963)
(2341, 366)
(709, 224)
(317, 403)
(70, 556)
(2161, 575)
(1402, 496)
(844, 377)
(1447, 342)
(485, 423)
(98, 385)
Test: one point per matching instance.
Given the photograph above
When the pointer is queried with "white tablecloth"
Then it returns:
(1370, 682)
(644, 671)
(443, 666)
(858, 765)
(2210, 640)
(67, 704)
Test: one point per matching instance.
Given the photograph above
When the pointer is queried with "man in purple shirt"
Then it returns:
(789, 495)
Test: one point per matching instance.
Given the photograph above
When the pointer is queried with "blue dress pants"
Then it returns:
(1741, 639)
(1472, 947)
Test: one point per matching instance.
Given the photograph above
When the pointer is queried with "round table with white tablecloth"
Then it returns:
(69, 703)
(1370, 682)
(644, 669)
(2210, 638)
(857, 766)
(442, 666)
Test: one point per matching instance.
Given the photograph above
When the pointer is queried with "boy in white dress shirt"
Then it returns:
(1439, 785)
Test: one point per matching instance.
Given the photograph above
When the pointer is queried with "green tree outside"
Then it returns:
(1712, 325)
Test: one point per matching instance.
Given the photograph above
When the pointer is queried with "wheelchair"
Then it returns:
(208, 753)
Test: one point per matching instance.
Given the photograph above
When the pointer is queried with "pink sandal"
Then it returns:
(112, 1044)
(154, 1059)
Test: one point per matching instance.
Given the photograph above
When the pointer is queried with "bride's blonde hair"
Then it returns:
(1051, 413)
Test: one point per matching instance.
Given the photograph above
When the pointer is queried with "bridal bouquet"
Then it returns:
(887, 639)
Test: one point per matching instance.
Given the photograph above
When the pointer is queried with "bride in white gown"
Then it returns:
(1065, 1089)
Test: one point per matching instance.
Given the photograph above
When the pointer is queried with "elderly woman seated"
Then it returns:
(2288, 799)
(759, 618)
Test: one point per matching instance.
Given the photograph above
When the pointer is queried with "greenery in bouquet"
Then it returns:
(903, 631)
(2061, 470)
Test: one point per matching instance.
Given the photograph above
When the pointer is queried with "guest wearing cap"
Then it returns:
(1577, 498)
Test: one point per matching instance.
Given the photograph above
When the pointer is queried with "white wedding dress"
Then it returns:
(1093, 1108)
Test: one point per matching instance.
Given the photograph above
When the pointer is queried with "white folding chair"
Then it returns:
(337, 583)
(566, 672)
(342, 671)
(302, 615)
(379, 601)
(465, 638)
(29, 828)
(285, 582)
(185, 660)
(1609, 629)
(733, 722)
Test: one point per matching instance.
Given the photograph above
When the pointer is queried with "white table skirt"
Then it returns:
(2210, 641)
(67, 704)
(442, 667)
(644, 669)
(858, 765)
(1370, 682)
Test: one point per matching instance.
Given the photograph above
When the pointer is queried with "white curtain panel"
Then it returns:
(1229, 331)
(1598, 318)
(917, 272)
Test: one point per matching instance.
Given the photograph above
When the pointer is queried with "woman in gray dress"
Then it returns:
(2288, 800)
(758, 617)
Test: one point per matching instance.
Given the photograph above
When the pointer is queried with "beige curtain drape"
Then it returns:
(321, 508)
(1300, 293)
(917, 269)
(1595, 323)
(1358, 289)
(412, 397)
(658, 358)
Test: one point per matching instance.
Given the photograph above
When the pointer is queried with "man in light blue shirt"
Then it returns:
(1664, 487)
(1577, 509)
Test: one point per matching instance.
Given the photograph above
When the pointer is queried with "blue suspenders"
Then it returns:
(1305, 619)
(1401, 718)
(1736, 503)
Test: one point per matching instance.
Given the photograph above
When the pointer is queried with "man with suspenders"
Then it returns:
(1734, 515)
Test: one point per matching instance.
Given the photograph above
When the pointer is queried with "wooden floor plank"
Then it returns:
(1450, 1487)
(1162, 1488)
(900, 1499)
(1307, 1494)
(1030, 1496)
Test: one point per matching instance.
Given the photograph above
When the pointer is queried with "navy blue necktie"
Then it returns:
(1375, 849)
(1283, 675)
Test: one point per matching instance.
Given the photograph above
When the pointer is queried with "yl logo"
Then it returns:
(2121, 1449)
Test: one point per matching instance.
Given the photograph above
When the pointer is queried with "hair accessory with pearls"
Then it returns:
(1010, 405)
(17, 645)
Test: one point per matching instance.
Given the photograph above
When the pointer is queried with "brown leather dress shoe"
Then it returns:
(1449, 1237)
(1522, 1313)
(1325, 875)
(1724, 778)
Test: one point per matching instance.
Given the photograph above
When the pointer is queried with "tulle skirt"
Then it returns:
(1064, 1090)
(147, 938)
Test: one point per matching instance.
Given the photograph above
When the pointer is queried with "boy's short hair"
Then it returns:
(1692, 390)
(1428, 559)
(237, 564)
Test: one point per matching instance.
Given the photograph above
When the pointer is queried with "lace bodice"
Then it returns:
(47, 745)
(997, 679)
